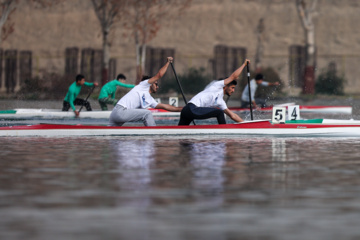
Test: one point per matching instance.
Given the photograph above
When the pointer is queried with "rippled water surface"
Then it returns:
(179, 188)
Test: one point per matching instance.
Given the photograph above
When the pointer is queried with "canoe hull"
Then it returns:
(258, 128)
(28, 113)
(53, 114)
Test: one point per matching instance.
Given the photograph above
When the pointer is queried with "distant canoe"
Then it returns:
(307, 109)
(33, 113)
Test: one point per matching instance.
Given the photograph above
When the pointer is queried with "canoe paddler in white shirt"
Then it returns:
(133, 106)
(210, 102)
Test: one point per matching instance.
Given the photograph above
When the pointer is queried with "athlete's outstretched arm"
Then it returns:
(161, 72)
(233, 115)
(168, 107)
(236, 73)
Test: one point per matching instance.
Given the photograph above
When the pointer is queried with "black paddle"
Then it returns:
(227, 99)
(182, 92)
(248, 77)
(92, 89)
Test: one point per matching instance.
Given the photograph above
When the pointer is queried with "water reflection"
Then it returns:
(207, 160)
(134, 158)
(138, 159)
(278, 147)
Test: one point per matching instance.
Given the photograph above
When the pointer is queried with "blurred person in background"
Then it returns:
(254, 83)
(107, 92)
(71, 98)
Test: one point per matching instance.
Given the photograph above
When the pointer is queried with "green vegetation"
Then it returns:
(32, 89)
(46, 86)
(328, 82)
(192, 82)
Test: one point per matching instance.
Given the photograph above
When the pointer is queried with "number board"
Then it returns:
(278, 115)
(294, 112)
(174, 101)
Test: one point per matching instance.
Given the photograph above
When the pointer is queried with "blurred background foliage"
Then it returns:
(192, 81)
(330, 82)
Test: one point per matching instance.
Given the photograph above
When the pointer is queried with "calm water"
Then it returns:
(179, 188)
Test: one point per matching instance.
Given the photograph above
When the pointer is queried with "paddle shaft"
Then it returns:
(92, 89)
(177, 80)
(227, 99)
(248, 77)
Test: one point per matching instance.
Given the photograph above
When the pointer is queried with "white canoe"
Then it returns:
(347, 110)
(31, 113)
(299, 128)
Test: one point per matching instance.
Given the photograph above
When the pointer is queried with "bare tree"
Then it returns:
(108, 12)
(7, 7)
(260, 45)
(306, 16)
(144, 19)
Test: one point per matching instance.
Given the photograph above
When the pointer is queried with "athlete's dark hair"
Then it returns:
(145, 78)
(233, 82)
(259, 77)
(79, 77)
(120, 76)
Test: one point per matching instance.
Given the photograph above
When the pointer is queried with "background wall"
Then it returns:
(195, 33)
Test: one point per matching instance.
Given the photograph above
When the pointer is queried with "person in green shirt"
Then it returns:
(71, 99)
(107, 93)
